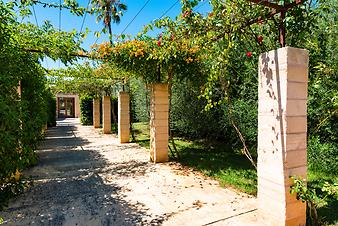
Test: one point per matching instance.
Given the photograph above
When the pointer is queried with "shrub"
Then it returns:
(21, 117)
(244, 113)
(140, 100)
(51, 107)
(114, 112)
(86, 108)
(322, 157)
(188, 117)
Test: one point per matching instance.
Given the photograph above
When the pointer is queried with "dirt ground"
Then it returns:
(86, 178)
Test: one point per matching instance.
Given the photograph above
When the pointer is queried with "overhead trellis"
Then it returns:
(180, 49)
(48, 41)
(183, 45)
(277, 6)
(86, 79)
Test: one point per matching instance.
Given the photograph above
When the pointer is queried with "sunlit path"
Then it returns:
(86, 178)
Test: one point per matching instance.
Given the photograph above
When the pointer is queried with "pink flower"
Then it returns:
(260, 39)
(159, 43)
(260, 21)
(186, 13)
(249, 54)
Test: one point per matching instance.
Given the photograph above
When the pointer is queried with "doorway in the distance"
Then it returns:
(66, 107)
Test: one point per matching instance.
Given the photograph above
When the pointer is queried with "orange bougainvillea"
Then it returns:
(144, 56)
(149, 50)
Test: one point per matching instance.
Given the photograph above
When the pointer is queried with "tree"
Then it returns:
(109, 11)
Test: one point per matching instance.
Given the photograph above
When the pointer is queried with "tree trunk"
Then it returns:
(110, 33)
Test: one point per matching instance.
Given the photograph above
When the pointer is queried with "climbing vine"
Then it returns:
(217, 51)
(23, 114)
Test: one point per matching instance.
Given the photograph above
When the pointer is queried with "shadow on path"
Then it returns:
(69, 190)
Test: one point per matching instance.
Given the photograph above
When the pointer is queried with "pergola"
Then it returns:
(282, 123)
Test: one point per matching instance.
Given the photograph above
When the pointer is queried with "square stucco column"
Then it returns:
(96, 113)
(282, 128)
(159, 112)
(106, 112)
(123, 117)
(19, 89)
(77, 106)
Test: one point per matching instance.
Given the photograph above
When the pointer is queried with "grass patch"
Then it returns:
(219, 161)
(142, 133)
(114, 128)
(215, 159)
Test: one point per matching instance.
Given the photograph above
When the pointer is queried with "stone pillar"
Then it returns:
(19, 148)
(282, 128)
(44, 128)
(159, 112)
(123, 117)
(77, 112)
(19, 89)
(106, 112)
(96, 113)
(57, 106)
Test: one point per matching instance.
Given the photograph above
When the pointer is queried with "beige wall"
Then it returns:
(76, 102)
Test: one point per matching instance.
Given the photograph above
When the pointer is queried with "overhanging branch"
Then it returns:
(63, 6)
(85, 55)
(265, 17)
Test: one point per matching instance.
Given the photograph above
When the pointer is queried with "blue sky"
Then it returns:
(152, 10)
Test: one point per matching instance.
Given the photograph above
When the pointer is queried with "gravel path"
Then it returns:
(87, 178)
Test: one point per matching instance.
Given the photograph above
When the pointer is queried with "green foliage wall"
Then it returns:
(188, 117)
(245, 117)
(21, 118)
(322, 42)
(86, 109)
(114, 110)
(51, 106)
(140, 101)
